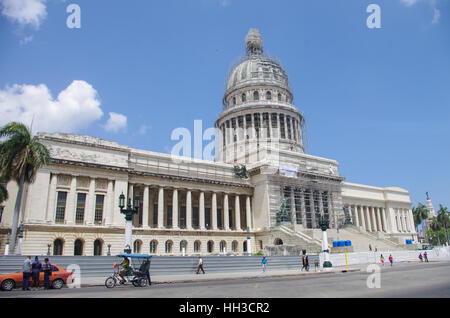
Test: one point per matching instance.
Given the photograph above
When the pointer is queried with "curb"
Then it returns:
(191, 280)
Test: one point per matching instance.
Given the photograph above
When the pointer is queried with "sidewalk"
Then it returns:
(187, 278)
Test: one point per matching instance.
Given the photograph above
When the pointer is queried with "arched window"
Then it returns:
(278, 241)
(78, 247)
(153, 246)
(268, 95)
(197, 246)
(183, 246)
(234, 246)
(244, 97)
(279, 97)
(234, 100)
(223, 247)
(58, 246)
(137, 246)
(210, 246)
(255, 95)
(169, 245)
(98, 245)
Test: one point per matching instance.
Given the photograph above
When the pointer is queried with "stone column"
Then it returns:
(175, 209)
(363, 218)
(385, 220)
(367, 215)
(160, 208)
(226, 220)
(188, 209)
(313, 210)
(248, 212)
(201, 211)
(51, 207)
(214, 210)
(293, 210)
(373, 219)
(303, 207)
(237, 213)
(408, 229)
(145, 206)
(356, 216)
(71, 202)
(378, 211)
(109, 203)
(411, 220)
(90, 205)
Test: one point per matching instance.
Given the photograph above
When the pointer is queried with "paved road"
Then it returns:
(402, 280)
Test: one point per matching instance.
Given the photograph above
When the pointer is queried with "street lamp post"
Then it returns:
(19, 245)
(323, 223)
(128, 212)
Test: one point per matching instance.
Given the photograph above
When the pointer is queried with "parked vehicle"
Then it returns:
(58, 278)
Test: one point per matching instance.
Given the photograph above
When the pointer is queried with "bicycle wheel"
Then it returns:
(142, 282)
(110, 282)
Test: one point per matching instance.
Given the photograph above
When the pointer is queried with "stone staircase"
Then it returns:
(362, 240)
(302, 239)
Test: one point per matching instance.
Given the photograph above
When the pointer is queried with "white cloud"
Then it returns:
(75, 107)
(143, 129)
(116, 122)
(25, 12)
(436, 17)
(409, 2)
(26, 40)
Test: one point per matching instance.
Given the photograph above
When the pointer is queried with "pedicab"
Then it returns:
(133, 268)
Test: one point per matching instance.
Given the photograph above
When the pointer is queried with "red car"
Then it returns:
(58, 278)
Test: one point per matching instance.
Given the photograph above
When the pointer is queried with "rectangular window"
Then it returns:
(1, 213)
(307, 197)
(288, 121)
(219, 219)
(182, 217)
(99, 202)
(208, 218)
(155, 215)
(169, 216)
(61, 207)
(230, 218)
(298, 206)
(282, 131)
(195, 220)
(81, 204)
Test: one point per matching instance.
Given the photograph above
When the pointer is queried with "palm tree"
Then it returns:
(21, 155)
(3, 191)
(420, 213)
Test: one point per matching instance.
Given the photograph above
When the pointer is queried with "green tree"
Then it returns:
(21, 155)
(420, 213)
(3, 191)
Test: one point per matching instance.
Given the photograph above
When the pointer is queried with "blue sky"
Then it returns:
(375, 100)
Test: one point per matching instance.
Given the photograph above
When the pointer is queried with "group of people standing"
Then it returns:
(424, 257)
(391, 259)
(33, 270)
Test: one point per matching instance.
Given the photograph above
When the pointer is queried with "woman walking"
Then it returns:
(382, 259)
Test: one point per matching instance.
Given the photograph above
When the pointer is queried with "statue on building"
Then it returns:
(240, 172)
(283, 216)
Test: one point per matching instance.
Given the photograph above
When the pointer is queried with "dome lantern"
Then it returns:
(254, 43)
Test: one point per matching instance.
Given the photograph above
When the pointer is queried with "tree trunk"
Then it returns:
(16, 216)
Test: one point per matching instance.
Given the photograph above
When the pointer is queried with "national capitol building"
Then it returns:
(263, 185)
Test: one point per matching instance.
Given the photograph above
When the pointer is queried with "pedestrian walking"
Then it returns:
(370, 247)
(382, 259)
(47, 268)
(425, 256)
(420, 257)
(200, 265)
(307, 262)
(264, 263)
(35, 271)
(391, 260)
(303, 262)
(26, 272)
